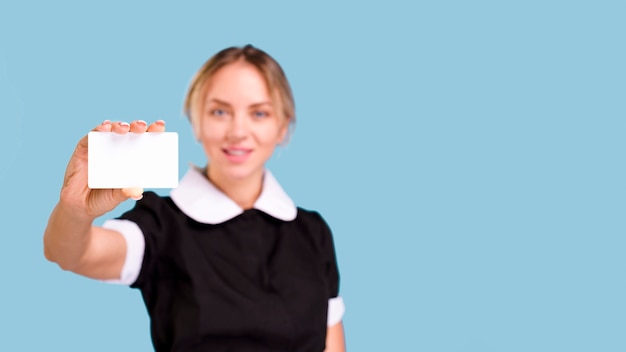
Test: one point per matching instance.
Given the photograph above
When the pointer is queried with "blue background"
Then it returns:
(469, 157)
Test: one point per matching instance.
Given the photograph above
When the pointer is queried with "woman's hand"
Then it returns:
(70, 239)
(92, 203)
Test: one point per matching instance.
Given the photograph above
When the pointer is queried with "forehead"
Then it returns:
(238, 82)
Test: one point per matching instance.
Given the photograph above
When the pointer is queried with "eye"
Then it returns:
(260, 114)
(218, 112)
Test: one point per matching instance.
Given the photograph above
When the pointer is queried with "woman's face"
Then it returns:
(239, 126)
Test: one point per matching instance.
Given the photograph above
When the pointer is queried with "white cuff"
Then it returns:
(135, 247)
(336, 309)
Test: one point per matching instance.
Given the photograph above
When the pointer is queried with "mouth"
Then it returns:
(237, 151)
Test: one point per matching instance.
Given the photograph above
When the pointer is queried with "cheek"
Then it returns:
(209, 132)
(269, 138)
(274, 137)
(211, 144)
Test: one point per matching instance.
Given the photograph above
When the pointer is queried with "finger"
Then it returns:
(138, 126)
(157, 126)
(103, 127)
(120, 127)
(120, 195)
(135, 193)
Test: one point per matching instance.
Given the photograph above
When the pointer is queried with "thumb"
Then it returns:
(135, 193)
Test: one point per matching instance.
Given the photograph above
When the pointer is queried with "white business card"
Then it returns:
(147, 160)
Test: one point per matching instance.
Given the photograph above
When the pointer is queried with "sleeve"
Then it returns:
(330, 260)
(336, 309)
(336, 306)
(143, 230)
(135, 246)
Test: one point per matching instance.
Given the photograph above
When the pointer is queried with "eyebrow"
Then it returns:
(222, 102)
(260, 104)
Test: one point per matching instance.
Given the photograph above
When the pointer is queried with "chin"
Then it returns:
(240, 173)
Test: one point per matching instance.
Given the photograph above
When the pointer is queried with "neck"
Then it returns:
(244, 192)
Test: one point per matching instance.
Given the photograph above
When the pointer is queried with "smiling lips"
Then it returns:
(237, 155)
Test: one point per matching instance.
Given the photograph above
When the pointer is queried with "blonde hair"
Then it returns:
(277, 84)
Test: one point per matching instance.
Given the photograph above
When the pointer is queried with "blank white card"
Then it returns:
(147, 160)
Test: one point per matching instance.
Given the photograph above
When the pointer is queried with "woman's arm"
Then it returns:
(335, 339)
(70, 239)
(75, 245)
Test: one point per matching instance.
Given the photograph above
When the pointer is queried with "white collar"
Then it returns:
(199, 199)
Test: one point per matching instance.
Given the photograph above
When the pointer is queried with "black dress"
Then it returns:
(253, 282)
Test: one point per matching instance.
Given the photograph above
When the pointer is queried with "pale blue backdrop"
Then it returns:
(469, 157)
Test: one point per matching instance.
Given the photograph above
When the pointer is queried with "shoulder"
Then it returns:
(310, 216)
(151, 199)
(152, 207)
(315, 222)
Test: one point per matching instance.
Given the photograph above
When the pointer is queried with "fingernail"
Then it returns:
(106, 122)
(160, 122)
(136, 197)
(142, 122)
(124, 124)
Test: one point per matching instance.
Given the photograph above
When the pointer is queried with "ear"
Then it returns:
(283, 134)
(195, 128)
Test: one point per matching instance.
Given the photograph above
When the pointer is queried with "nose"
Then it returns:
(238, 127)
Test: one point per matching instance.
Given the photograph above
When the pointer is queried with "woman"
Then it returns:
(226, 262)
